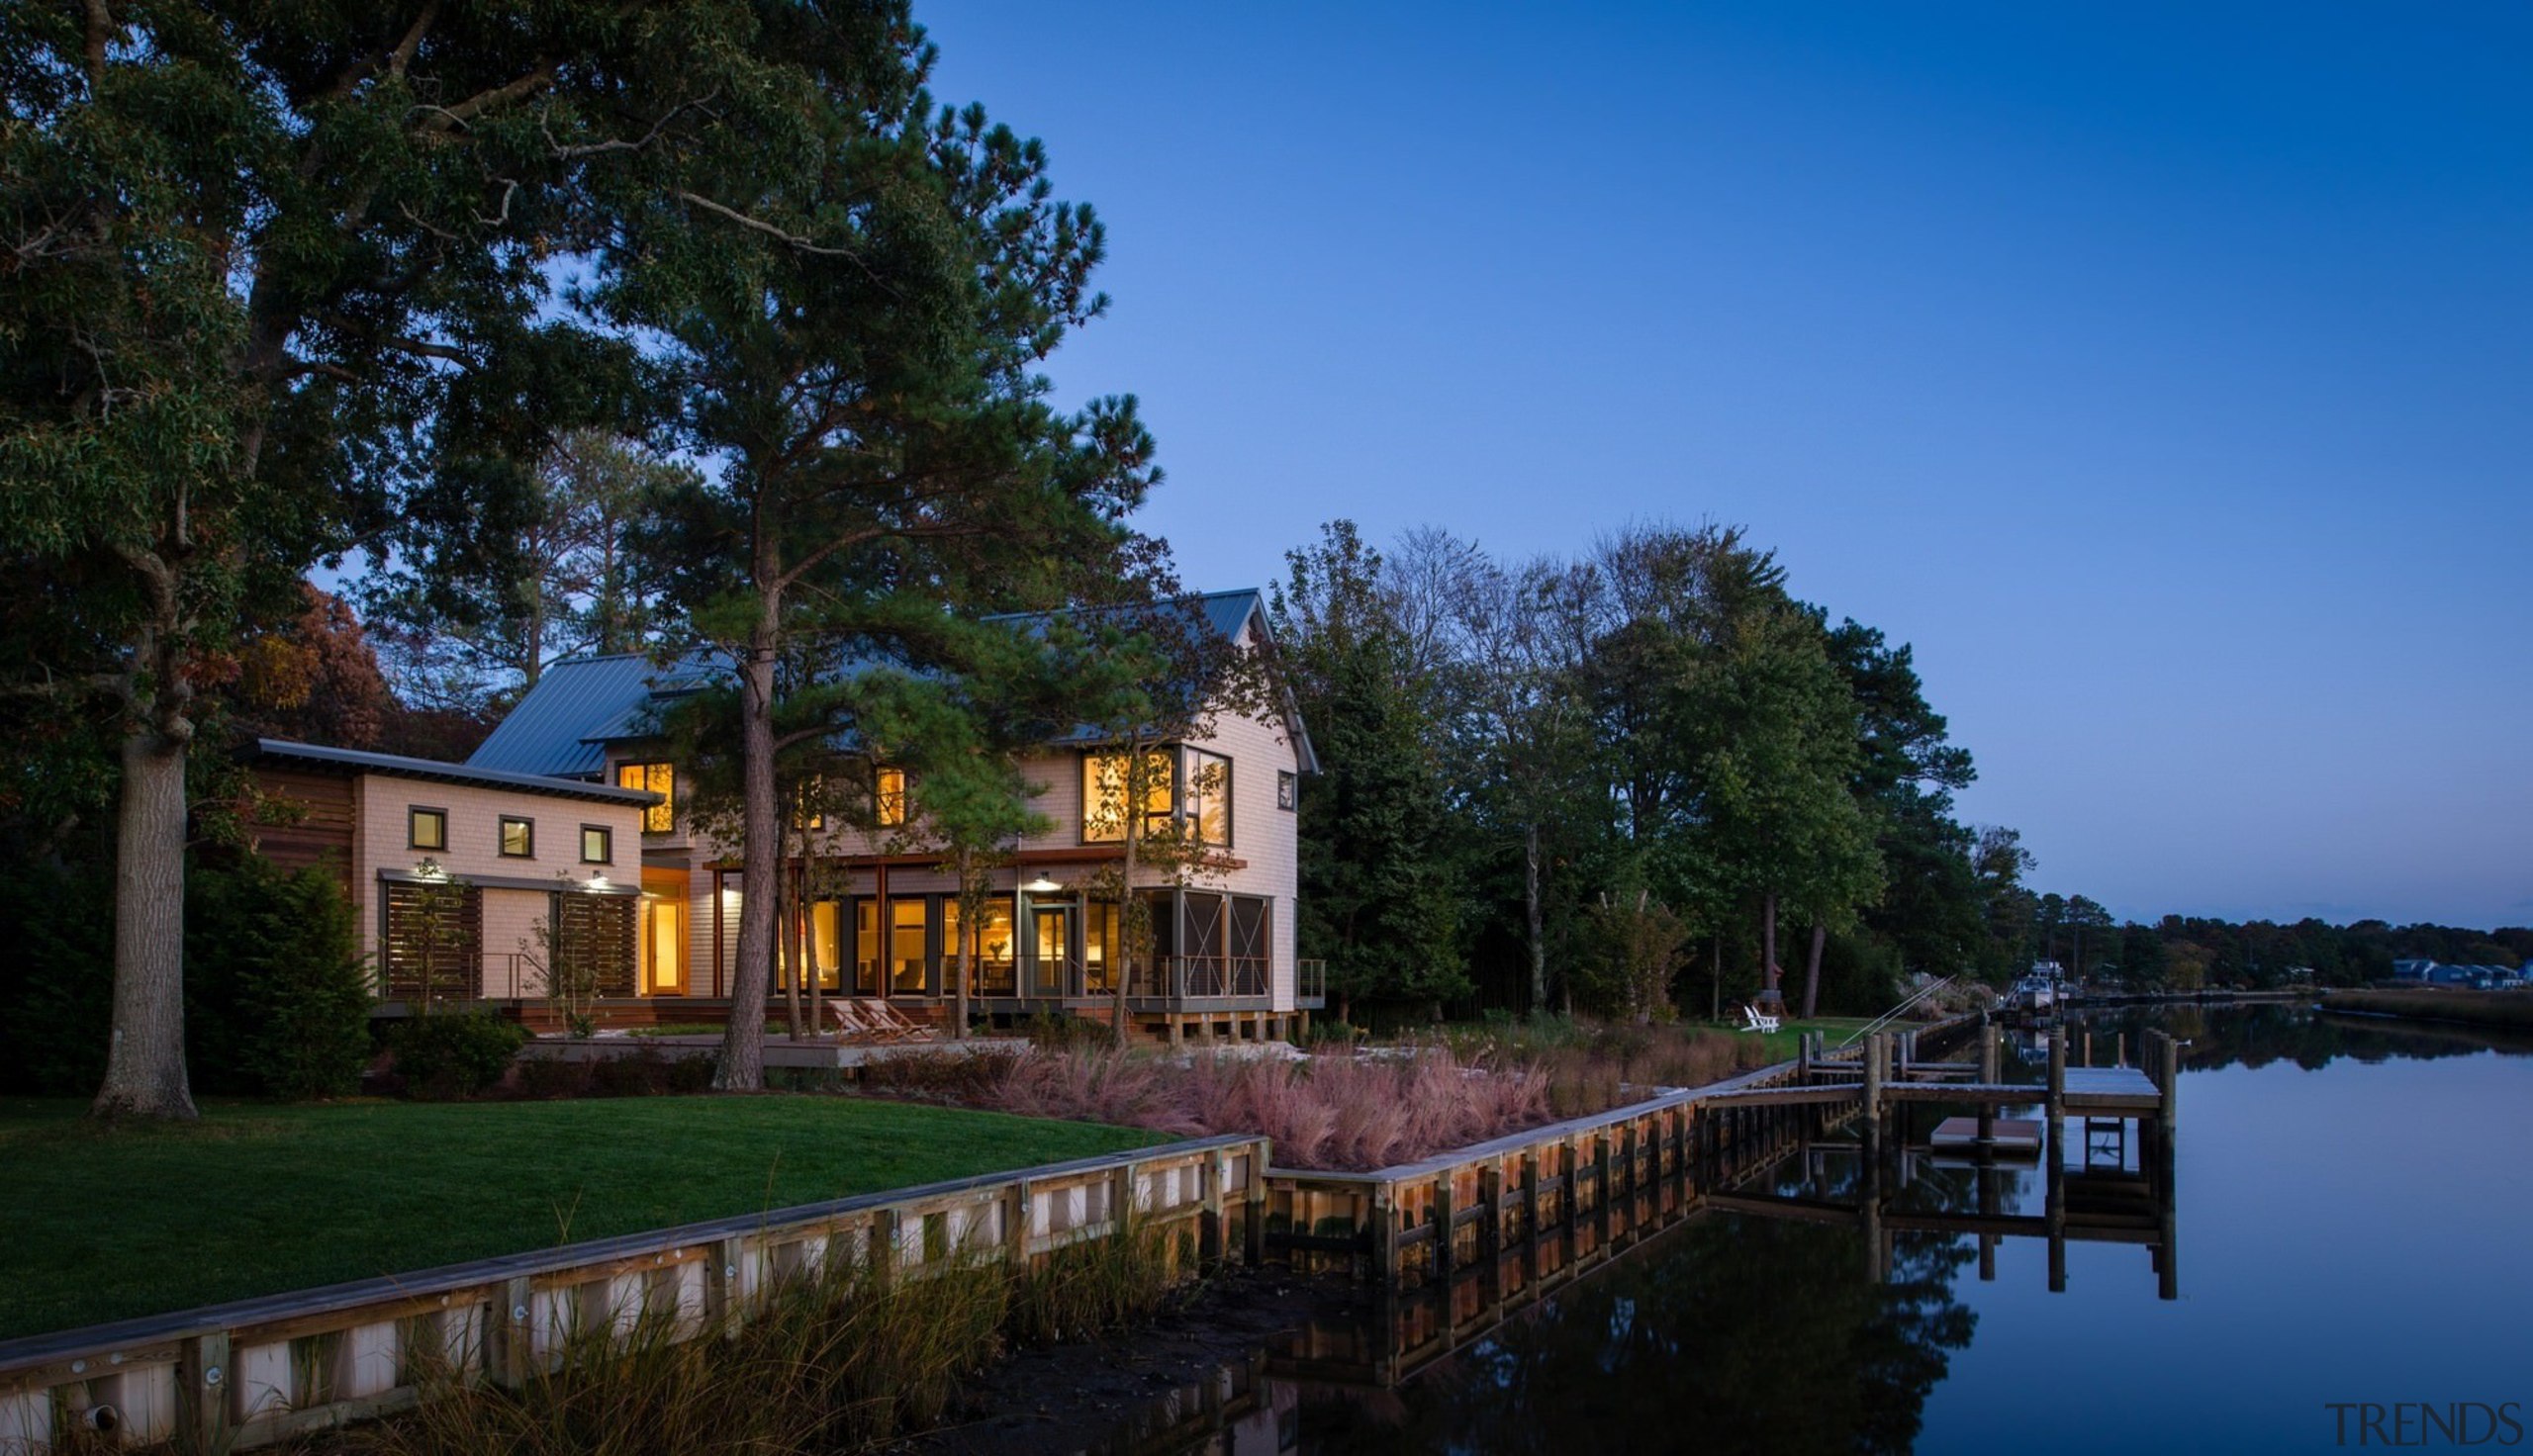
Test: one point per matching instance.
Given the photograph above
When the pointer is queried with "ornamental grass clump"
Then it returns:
(834, 1362)
(837, 1361)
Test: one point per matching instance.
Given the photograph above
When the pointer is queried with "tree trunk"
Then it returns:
(1769, 973)
(742, 1065)
(1126, 907)
(1812, 970)
(145, 1059)
(1536, 918)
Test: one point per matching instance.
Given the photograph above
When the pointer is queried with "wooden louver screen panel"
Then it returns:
(433, 942)
(598, 935)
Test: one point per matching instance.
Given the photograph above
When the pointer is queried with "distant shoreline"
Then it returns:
(2508, 1010)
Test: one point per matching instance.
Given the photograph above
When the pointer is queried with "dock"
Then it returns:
(2104, 1134)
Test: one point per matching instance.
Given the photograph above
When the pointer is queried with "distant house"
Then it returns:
(2468, 977)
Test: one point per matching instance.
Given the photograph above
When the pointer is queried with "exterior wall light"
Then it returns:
(1042, 885)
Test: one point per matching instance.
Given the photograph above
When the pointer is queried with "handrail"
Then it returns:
(1895, 1013)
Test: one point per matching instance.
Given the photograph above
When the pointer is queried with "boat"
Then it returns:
(2038, 990)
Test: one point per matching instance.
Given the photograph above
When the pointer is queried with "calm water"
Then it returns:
(2353, 1207)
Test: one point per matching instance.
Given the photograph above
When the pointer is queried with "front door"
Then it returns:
(1050, 939)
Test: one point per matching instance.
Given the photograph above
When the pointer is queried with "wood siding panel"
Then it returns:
(316, 820)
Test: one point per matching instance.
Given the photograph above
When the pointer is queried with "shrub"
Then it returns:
(454, 1054)
(277, 1000)
(543, 1077)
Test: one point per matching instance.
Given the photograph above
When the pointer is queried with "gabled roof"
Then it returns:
(562, 727)
(346, 761)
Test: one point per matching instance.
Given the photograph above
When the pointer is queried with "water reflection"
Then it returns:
(1830, 1301)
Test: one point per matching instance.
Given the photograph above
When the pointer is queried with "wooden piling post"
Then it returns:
(1384, 1234)
(1443, 1250)
(2167, 1083)
(203, 1369)
(1875, 1047)
(2056, 1207)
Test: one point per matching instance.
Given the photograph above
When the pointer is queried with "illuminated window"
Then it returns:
(1209, 799)
(1288, 788)
(598, 845)
(909, 922)
(1105, 788)
(427, 829)
(519, 838)
(888, 797)
(658, 779)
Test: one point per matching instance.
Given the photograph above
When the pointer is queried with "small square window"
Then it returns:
(427, 829)
(1288, 790)
(519, 838)
(598, 845)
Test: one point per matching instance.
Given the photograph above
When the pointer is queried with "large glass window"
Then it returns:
(659, 779)
(1101, 950)
(1106, 785)
(826, 952)
(1209, 799)
(991, 944)
(909, 920)
(867, 948)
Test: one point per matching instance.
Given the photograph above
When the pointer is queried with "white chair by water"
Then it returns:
(1754, 1020)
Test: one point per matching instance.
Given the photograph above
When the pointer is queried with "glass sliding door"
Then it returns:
(867, 949)
(909, 954)
(1051, 947)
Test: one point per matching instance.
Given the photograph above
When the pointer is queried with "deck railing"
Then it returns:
(1202, 977)
(264, 1370)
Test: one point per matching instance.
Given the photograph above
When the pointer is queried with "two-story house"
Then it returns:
(874, 913)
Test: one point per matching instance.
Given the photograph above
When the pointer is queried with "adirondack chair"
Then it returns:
(892, 1023)
(847, 1025)
(1754, 1020)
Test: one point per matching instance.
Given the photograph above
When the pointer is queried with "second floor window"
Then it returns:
(1107, 786)
(1208, 799)
(427, 829)
(659, 779)
(888, 797)
(519, 838)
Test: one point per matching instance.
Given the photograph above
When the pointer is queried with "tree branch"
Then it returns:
(767, 228)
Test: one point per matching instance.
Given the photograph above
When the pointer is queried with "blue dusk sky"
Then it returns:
(2164, 373)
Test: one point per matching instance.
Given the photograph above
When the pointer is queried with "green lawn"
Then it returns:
(261, 1198)
(1786, 1040)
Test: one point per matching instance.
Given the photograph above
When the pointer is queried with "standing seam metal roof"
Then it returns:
(562, 727)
